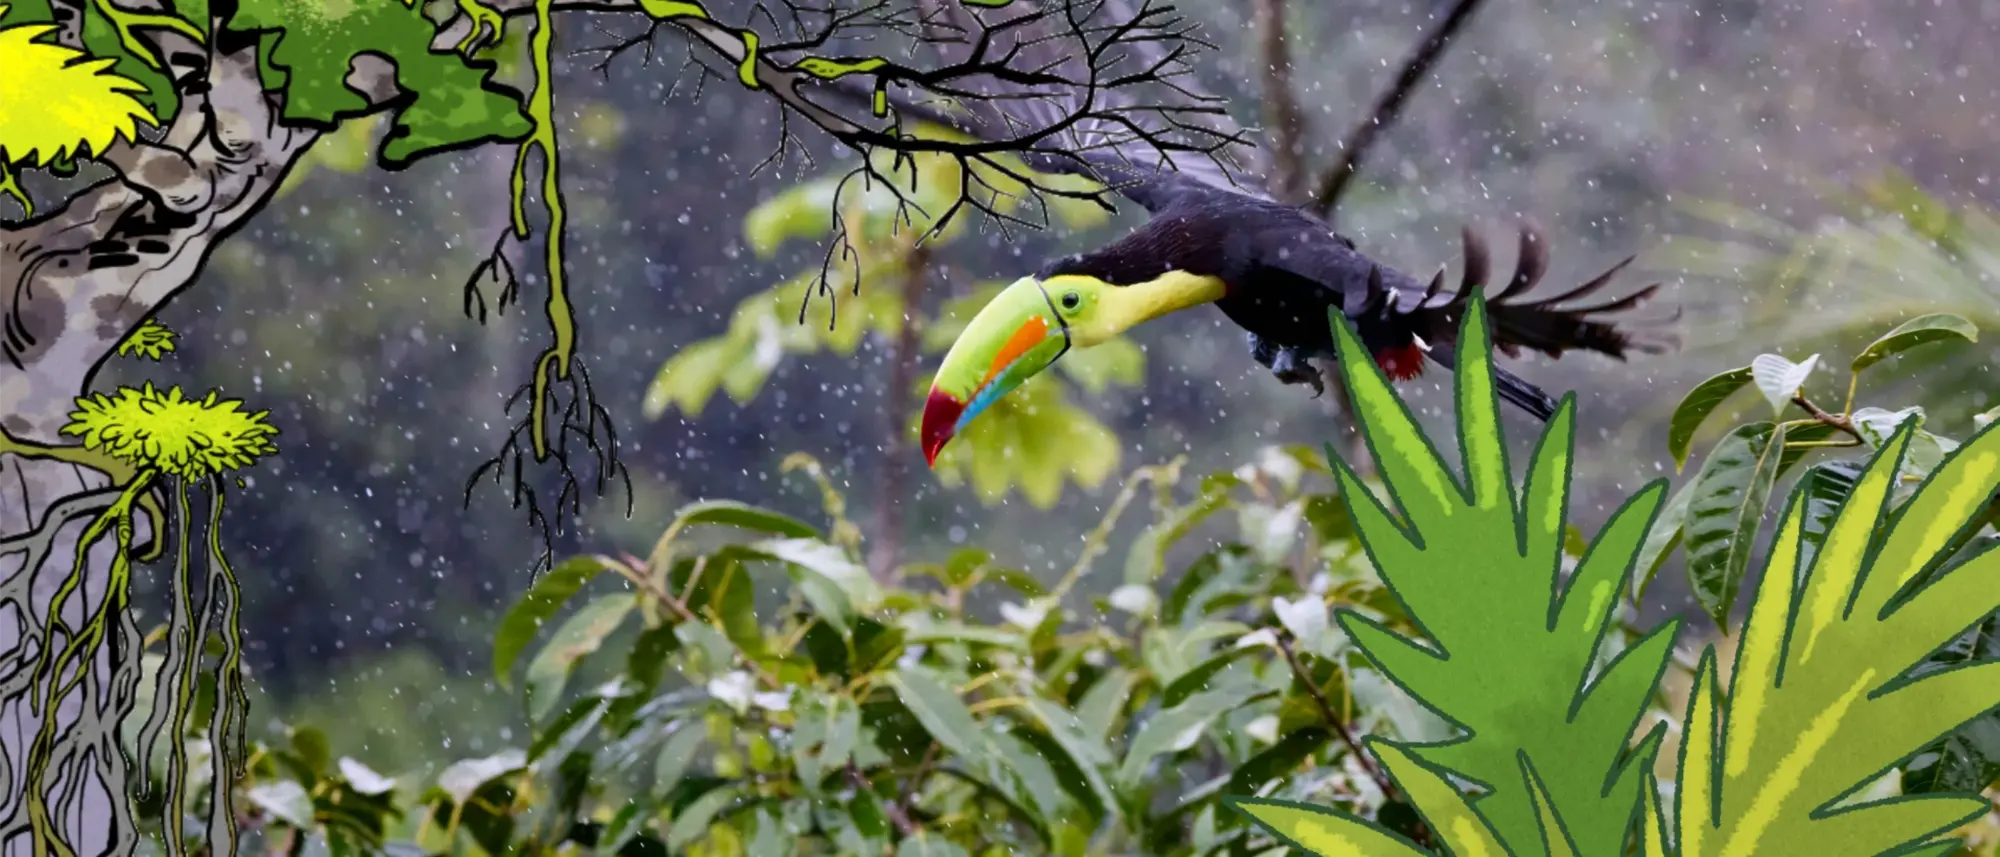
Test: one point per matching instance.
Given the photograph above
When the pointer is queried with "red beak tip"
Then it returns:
(940, 422)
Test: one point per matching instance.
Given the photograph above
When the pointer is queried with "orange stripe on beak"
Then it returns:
(1028, 335)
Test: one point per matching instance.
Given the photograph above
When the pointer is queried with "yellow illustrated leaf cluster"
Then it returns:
(60, 103)
(151, 341)
(187, 438)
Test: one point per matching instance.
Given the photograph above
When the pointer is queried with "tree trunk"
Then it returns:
(77, 281)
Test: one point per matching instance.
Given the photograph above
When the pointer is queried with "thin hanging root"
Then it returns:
(44, 749)
(555, 362)
(225, 724)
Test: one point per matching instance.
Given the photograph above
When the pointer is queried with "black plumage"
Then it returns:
(1285, 268)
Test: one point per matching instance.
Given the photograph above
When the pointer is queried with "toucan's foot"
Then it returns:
(1291, 368)
(1262, 350)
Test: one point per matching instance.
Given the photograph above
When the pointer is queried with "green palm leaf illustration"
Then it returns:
(1819, 705)
(1512, 644)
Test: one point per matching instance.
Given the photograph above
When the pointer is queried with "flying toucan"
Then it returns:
(1273, 269)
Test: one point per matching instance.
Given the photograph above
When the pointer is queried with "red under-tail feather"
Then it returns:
(1401, 363)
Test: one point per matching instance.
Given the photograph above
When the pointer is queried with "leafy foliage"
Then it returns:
(1856, 590)
(151, 341)
(188, 438)
(747, 686)
(61, 104)
(1717, 514)
(306, 54)
(1486, 582)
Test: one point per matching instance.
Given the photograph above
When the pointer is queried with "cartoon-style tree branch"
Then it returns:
(195, 124)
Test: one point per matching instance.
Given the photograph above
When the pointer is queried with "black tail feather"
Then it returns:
(1521, 394)
(1512, 388)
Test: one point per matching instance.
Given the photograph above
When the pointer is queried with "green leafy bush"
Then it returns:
(748, 688)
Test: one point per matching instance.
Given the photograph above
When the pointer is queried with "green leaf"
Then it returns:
(1478, 565)
(1147, 558)
(687, 380)
(1966, 761)
(1727, 502)
(578, 637)
(920, 631)
(676, 756)
(926, 844)
(1818, 704)
(312, 46)
(827, 731)
(1198, 678)
(1780, 379)
(691, 822)
(801, 212)
(1098, 711)
(1326, 832)
(312, 747)
(465, 777)
(1081, 753)
(942, 714)
(743, 516)
(542, 600)
(1029, 776)
(1921, 330)
(1277, 761)
(285, 800)
(1178, 728)
(1823, 489)
(1695, 408)
(829, 563)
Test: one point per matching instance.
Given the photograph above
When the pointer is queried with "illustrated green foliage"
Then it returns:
(308, 48)
(1861, 583)
(151, 341)
(1715, 516)
(182, 437)
(1484, 576)
(1818, 705)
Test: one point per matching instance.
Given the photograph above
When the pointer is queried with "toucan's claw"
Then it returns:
(1291, 368)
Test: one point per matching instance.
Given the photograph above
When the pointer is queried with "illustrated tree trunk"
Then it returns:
(77, 281)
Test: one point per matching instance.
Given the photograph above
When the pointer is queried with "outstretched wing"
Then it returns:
(1065, 78)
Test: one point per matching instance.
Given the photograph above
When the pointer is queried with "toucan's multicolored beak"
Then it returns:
(1015, 336)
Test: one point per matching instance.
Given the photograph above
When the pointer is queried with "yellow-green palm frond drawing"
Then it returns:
(1820, 702)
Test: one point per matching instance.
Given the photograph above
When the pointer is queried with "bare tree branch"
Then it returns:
(1334, 182)
(1284, 123)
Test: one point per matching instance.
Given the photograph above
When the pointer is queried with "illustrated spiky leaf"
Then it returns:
(1331, 833)
(61, 104)
(1512, 645)
(1820, 702)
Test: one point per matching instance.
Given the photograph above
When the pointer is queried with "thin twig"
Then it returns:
(894, 809)
(1334, 183)
(1339, 727)
(1840, 422)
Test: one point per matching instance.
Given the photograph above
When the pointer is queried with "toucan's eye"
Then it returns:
(1070, 300)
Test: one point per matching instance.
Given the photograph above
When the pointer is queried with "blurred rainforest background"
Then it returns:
(1800, 175)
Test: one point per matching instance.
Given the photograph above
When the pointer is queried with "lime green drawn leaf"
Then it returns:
(1484, 578)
